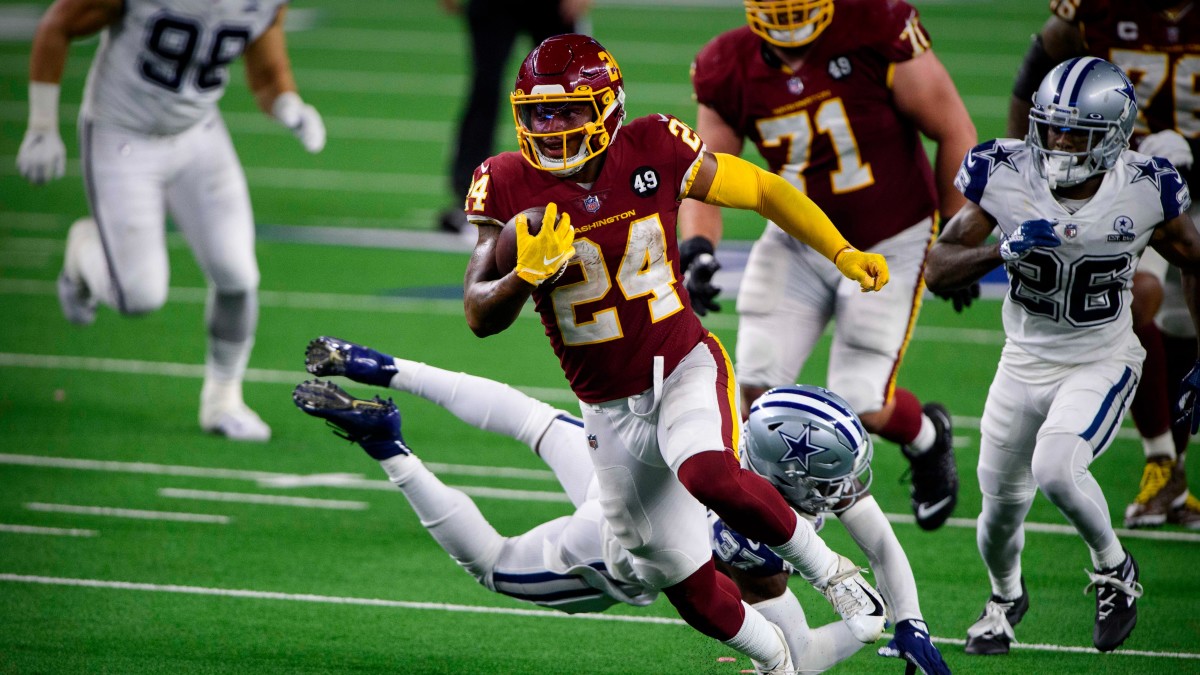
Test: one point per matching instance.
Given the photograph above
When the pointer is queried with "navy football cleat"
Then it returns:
(327, 356)
(373, 424)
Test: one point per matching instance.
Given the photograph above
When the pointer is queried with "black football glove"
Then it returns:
(961, 297)
(698, 264)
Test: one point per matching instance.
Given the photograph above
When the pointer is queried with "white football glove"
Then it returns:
(303, 119)
(42, 156)
(1168, 144)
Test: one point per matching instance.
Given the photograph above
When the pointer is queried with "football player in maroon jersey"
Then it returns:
(1157, 43)
(656, 390)
(835, 96)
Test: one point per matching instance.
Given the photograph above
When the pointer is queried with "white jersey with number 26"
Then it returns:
(1071, 304)
(162, 67)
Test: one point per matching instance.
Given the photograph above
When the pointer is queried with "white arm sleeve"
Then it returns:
(874, 535)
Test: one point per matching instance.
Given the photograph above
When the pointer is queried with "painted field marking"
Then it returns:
(264, 478)
(137, 514)
(48, 531)
(488, 492)
(273, 500)
(473, 609)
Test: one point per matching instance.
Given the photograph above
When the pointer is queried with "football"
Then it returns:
(506, 246)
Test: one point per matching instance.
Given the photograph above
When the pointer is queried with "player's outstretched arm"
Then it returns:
(870, 529)
(269, 75)
(725, 180)
(961, 256)
(42, 156)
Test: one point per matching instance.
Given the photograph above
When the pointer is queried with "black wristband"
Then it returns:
(690, 248)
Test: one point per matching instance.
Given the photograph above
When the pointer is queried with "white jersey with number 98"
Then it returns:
(162, 67)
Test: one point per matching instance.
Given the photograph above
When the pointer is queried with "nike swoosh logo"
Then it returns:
(871, 596)
(926, 510)
(551, 261)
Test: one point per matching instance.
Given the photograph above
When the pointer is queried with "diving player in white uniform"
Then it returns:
(575, 563)
(152, 142)
(1075, 209)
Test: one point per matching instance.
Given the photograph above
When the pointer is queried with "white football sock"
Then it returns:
(759, 640)
(554, 435)
(925, 437)
(226, 361)
(85, 260)
(808, 553)
(813, 649)
(1159, 446)
(1000, 536)
(450, 516)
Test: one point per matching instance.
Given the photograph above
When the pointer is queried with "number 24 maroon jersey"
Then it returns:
(620, 302)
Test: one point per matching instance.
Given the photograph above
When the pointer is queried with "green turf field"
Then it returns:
(336, 574)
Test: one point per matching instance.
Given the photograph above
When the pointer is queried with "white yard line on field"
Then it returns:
(136, 514)
(48, 531)
(273, 500)
(474, 609)
(267, 479)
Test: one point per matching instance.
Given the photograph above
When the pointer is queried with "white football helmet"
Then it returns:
(1082, 95)
(809, 443)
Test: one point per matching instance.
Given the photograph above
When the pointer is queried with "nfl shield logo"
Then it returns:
(1071, 230)
(592, 442)
(591, 203)
(795, 85)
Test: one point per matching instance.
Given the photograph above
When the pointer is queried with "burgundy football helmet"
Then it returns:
(788, 23)
(565, 70)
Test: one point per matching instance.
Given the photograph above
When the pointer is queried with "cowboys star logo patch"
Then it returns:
(1123, 226)
(800, 448)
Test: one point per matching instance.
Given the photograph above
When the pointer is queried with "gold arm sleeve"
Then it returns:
(739, 184)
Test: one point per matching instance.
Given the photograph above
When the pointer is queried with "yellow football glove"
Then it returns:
(868, 269)
(543, 256)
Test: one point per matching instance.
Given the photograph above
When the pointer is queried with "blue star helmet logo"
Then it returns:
(801, 448)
